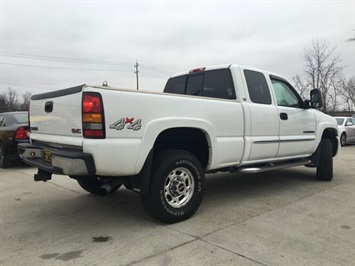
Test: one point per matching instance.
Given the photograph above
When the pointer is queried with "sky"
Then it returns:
(50, 45)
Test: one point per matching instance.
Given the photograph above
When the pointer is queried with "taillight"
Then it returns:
(21, 133)
(93, 116)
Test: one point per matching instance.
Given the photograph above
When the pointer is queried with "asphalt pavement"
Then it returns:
(283, 217)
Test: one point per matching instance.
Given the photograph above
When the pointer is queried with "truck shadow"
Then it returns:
(224, 193)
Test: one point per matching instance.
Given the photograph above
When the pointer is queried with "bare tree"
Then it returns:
(300, 86)
(322, 70)
(350, 39)
(348, 93)
(26, 101)
(9, 101)
(3, 102)
(13, 102)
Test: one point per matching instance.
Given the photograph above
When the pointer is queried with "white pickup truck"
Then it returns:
(161, 145)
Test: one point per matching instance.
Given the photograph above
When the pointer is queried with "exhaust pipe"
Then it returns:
(105, 189)
(110, 184)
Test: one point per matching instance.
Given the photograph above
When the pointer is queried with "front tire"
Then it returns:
(177, 186)
(325, 167)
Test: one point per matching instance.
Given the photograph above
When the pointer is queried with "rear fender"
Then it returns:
(154, 128)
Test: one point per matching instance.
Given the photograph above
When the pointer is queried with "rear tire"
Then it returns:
(4, 162)
(325, 167)
(177, 186)
(93, 185)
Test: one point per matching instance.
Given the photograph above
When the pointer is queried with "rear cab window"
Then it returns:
(211, 83)
(176, 85)
(194, 85)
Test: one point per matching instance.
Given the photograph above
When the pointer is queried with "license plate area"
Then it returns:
(47, 155)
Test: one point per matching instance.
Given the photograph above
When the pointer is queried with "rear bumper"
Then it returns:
(11, 150)
(65, 161)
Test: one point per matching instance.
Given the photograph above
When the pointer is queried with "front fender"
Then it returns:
(328, 130)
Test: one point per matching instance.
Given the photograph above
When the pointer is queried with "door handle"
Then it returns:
(283, 116)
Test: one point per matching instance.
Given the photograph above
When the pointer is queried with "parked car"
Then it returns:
(346, 126)
(13, 129)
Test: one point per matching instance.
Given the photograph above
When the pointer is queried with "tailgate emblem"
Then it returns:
(76, 130)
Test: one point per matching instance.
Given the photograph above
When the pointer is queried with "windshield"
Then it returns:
(340, 121)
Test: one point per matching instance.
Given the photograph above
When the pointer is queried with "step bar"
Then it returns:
(270, 166)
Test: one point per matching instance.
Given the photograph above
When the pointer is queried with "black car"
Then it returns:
(13, 129)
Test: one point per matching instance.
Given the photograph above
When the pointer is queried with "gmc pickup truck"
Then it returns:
(220, 118)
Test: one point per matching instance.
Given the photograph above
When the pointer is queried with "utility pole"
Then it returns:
(136, 72)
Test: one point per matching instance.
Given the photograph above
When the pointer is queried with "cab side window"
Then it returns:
(218, 84)
(285, 95)
(257, 86)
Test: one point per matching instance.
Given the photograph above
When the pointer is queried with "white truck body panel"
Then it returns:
(66, 115)
(159, 112)
(220, 118)
(238, 132)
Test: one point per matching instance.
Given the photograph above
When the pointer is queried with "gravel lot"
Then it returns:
(284, 217)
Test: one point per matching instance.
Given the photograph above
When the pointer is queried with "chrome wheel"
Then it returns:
(179, 187)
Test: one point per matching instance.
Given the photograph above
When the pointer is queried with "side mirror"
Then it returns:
(349, 124)
(316, 99)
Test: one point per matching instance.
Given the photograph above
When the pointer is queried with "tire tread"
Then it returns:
(325, 167)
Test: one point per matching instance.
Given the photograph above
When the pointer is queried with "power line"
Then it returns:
(78, 61)
(2, 85)
(165, 78)
(67, 68)
(157, 69)
(61, 59)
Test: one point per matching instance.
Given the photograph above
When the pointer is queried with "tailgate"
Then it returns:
(57, 115)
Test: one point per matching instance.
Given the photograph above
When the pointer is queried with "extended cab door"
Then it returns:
(261, 120)
(297, 125)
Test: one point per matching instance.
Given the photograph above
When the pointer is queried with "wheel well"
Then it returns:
(331, 134)
(189, 139)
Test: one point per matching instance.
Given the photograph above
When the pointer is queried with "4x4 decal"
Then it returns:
(120, 124)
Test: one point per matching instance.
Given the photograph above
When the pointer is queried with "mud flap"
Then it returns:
(141, 182)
